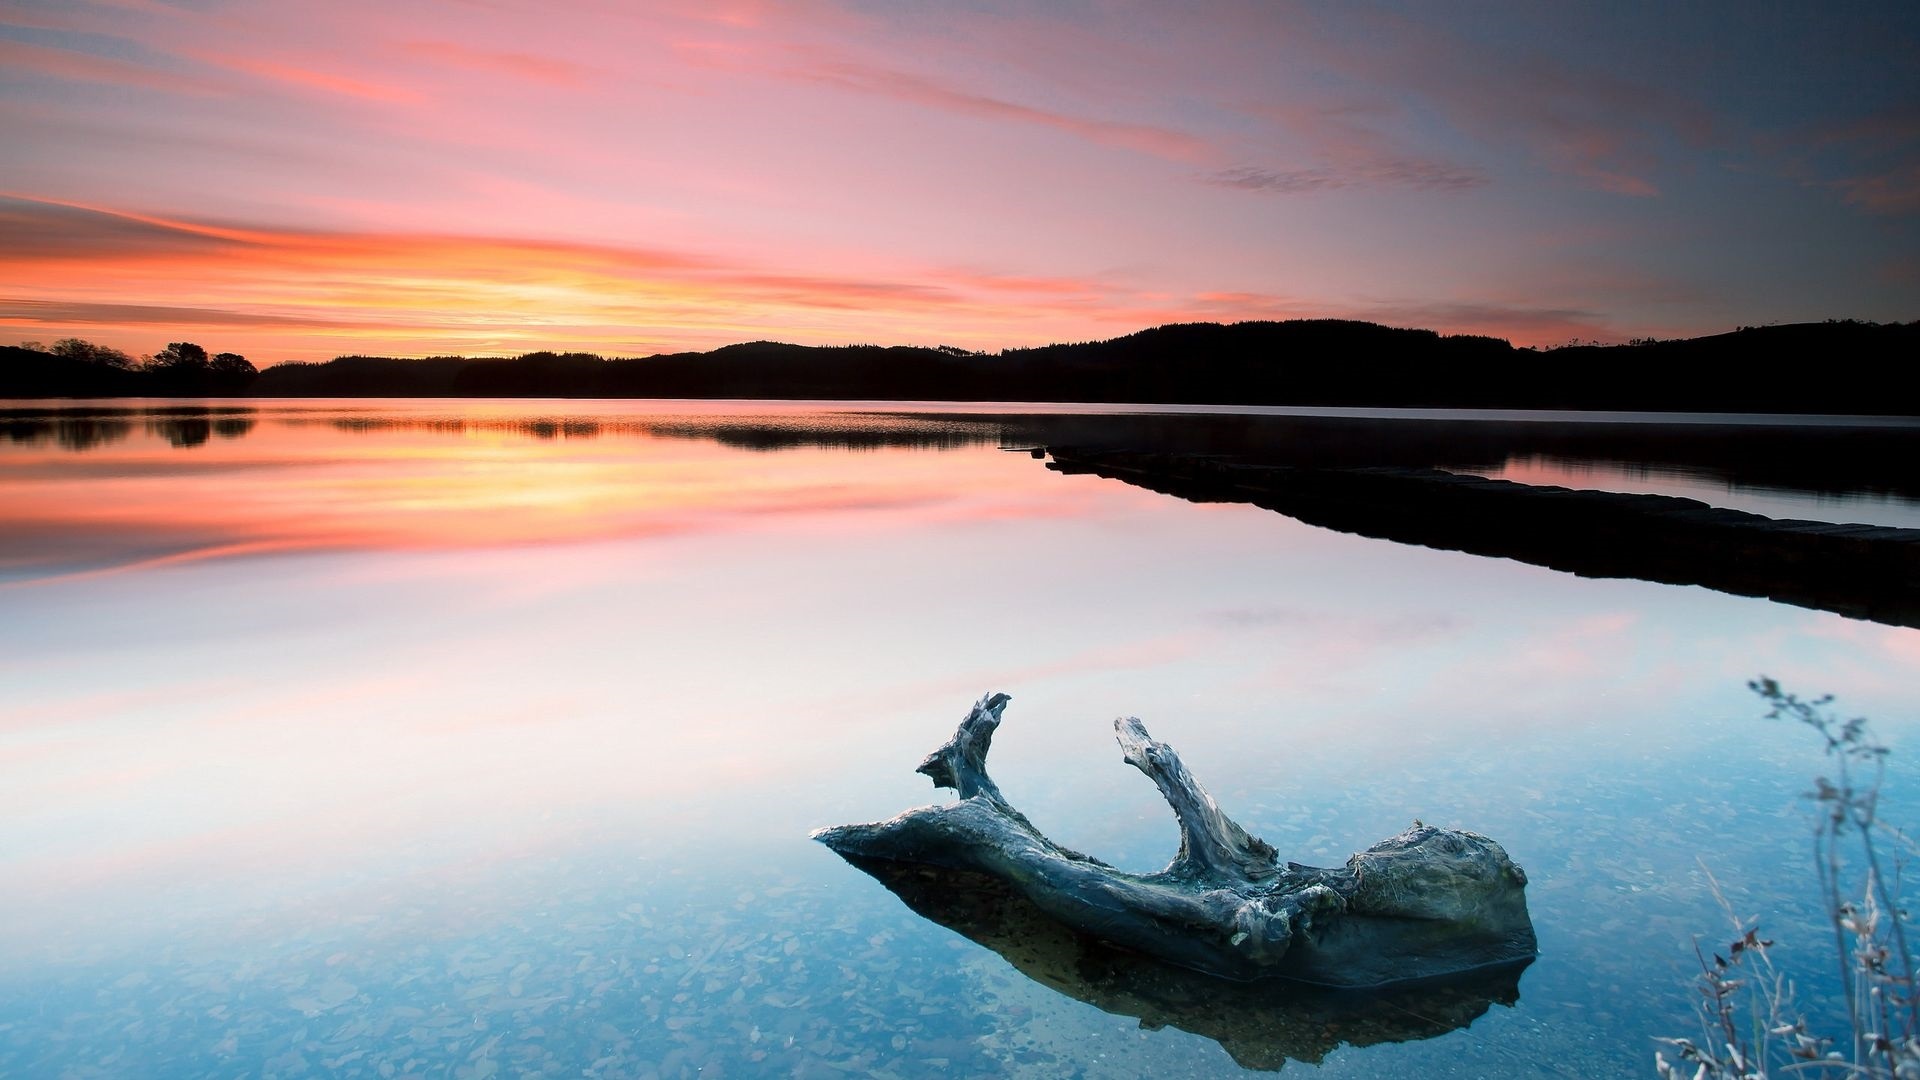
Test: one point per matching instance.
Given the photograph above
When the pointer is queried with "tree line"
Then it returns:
(1840, 366)
(1831, 367)
(74, 367)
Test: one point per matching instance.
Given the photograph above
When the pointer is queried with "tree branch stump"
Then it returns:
(1427, 903)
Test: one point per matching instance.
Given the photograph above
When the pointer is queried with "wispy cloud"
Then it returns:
(42, 229)
(1880, 155)
(543, 69)
(1390, 173)
(306, 293)
(397, 287)
(1896, 191)
(1601, 129)
(303, 77)
(826, 67)
(1575, 118)
(76, 66)
(22, 311)
(1345, 147)
(923, 90)
(79, 16)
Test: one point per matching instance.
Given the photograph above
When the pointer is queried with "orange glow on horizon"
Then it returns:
(298, 181)
(275, 294)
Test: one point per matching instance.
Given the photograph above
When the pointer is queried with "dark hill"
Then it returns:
(27, 373)
(1841, 367)
(364, 376)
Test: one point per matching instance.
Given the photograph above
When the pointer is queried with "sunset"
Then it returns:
(300, 181)
(688, 540)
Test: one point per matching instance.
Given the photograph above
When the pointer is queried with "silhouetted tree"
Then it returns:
(180, 358)
(230, 372)
(86, 352)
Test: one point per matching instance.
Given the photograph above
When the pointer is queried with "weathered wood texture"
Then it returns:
(1427, 903)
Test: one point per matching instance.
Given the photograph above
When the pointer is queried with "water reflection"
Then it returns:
(386, 742)
(1828, 500)
(84, 428)
(69, 433)
(1261, 1025)
(366, 480)
(1863, 571)
(832, 431)
(1823, 468)
(185, 431)
(1797, 454)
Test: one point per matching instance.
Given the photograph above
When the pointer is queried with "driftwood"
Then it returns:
(1425, 904)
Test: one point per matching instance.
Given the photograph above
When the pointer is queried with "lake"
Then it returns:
(477, 738)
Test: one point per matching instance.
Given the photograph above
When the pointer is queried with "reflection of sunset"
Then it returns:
(300, 482)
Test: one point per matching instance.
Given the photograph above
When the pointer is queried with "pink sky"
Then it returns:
(296, 181)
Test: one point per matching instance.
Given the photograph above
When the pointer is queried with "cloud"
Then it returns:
(75, 66)
(1392, 173)
(307, 78)
(1892, 128)
(1057, 286)
(1588, 124)
(815, 66)
(544, 69)
(82, 313)
(98, 266)
(1880, 152)
(1348, 149)
(1585, 122)
(42, 229)
(283, 293)
(921, 90)
(66, 229)
(1896, 191)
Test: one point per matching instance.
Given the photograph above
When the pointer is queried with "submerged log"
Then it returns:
(1424, 904)
(1261, 1024)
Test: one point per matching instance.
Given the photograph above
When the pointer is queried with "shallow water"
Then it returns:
(475, 738)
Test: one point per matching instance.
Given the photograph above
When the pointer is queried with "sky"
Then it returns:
(295, 181)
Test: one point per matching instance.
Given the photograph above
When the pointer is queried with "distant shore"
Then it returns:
(1835, 367)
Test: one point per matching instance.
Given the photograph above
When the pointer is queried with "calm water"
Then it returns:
(1867, 508)
(472, 739)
